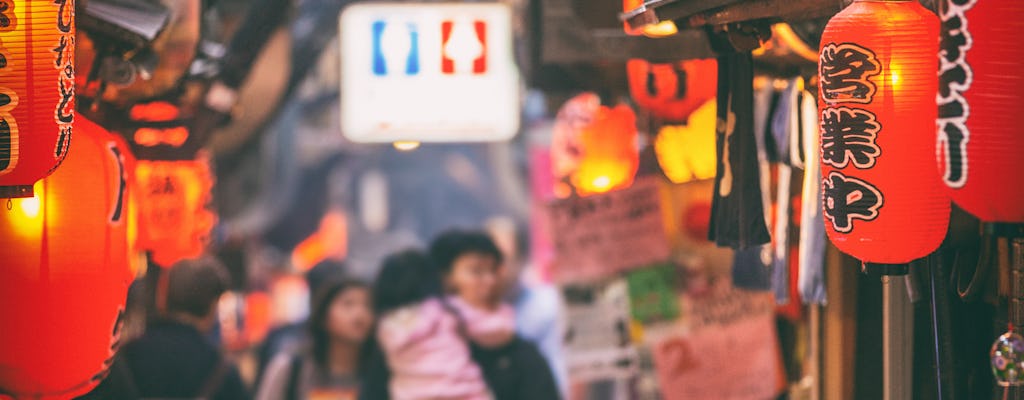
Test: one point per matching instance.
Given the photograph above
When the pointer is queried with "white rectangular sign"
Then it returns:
(428, 72)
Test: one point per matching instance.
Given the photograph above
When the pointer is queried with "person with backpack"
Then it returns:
(329, 368)
(173, 359)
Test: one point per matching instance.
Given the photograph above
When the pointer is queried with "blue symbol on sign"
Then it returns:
(390, 43)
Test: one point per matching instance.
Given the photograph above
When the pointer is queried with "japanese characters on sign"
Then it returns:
(8, 98)
(847, 199)
(601, 235)
(29, 37)
(64, 62)
(728, 352)
(955, 78)
(849, 134)
(845, 72)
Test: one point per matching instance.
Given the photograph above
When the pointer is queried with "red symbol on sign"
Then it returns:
(463, 47)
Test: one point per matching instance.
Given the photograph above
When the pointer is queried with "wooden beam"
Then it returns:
(567, 40)
(783, 10)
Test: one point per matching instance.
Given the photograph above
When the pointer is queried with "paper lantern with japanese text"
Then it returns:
(883, 200)
(174, 221)
(672, 91)
(609, 157)
(65, 271)
(37, 90)
(980, 96)
(687, 152)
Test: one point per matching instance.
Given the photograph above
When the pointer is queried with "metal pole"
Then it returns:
(897, 338)
(940, 311)
(1016, 296)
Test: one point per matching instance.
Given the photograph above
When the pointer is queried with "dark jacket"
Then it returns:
(171, 360)
(516, 371)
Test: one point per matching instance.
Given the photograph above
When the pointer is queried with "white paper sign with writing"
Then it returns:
(598, 344)
(598, 236)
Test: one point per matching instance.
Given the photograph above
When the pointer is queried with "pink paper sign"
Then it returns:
(732, 354)
(598, 236)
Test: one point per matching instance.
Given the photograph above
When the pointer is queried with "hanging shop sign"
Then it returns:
(66, 271)
(597, 236)
(437, 72)
(175, 222)
(37, 90)
(883, 201)
(672, 91)
(979, 103)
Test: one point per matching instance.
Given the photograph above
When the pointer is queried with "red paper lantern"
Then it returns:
(609, 157)
(175, 223)
(65, 273)
(883, 202)
(37, 90)
(672, 91)
(980, 97)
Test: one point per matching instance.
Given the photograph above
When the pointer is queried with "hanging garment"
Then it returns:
(751, 267)
(812, 224)
(785, 130)
(737, 212)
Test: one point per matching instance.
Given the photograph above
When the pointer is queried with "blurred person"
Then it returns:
(538, 304)
(471, 265)
(329, 368)
(292, 337)
(422, 342)
(173, 358)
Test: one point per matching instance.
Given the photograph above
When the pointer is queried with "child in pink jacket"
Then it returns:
(423, 337)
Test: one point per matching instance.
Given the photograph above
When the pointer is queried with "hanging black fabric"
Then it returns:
(751, 270)
(737, 214)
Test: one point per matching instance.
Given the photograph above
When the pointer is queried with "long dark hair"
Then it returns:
(405, 278)
(318, 323)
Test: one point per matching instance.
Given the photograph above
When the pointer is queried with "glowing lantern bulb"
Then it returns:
(30, 206)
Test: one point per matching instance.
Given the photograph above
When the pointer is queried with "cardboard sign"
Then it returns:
(731, 352)
(598, 341)
(597, 236)
(436, 72)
